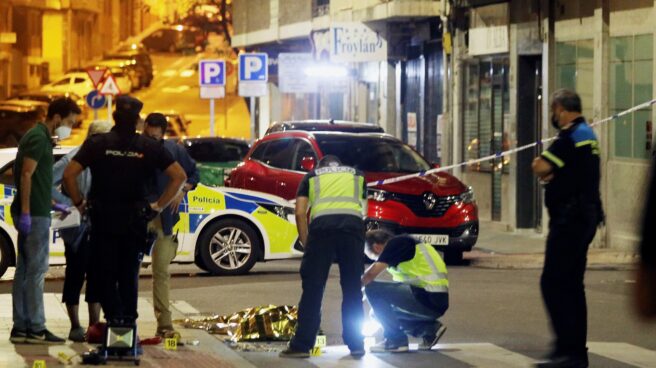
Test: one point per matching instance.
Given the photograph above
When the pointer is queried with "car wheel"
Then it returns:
(6, 255)
(229, 247)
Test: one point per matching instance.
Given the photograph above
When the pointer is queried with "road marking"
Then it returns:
(339, 357)
(625, 353)
(178, 89)
(484, 355)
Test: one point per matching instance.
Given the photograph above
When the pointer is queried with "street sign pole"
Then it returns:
(95, 114)
(211, 75)
(253, 77)
(109, 108)
(252, 108)
(212, 132)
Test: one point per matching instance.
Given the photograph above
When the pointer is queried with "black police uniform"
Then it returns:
(574, 204)
(123, 164)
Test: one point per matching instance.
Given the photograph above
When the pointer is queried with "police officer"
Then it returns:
(336, 196)
(418, 297)
(570, 169)
(123, 165)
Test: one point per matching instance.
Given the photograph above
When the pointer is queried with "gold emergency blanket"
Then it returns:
(263, 323)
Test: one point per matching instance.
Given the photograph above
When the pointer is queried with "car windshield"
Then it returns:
(373, 154)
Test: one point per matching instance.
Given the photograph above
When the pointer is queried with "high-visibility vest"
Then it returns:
(336, 190)
(425, 270)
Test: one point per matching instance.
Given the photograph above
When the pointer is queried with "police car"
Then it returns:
(224, 231)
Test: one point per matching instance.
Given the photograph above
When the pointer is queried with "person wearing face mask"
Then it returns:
(31, 213)
(76, 244)
(570, 170)
(166, 244)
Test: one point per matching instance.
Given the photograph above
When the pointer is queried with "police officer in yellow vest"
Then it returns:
(336, 196)
(419, 296)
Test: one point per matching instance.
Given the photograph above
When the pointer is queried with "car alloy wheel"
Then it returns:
(230, 248)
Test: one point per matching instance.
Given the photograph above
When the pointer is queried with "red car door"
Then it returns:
(267, 173)
(287, 181)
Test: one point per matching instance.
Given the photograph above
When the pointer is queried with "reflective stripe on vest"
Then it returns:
(336, 191)
(425, 270)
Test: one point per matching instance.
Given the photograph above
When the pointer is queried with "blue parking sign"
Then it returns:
(253, 67)
(212, 73)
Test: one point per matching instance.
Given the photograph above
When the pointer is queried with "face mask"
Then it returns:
(63, 132)
(554, 122)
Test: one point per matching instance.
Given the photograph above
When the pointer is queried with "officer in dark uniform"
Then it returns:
(570, 169)
(123, 166)
(336, 196)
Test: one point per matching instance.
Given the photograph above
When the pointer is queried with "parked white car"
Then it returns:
(77, 82)
(80, 83)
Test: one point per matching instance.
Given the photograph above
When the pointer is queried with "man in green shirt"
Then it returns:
(31, 213)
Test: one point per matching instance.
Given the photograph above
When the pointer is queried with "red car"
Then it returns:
(437, 208)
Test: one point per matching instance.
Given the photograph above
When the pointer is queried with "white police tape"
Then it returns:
(502, 153)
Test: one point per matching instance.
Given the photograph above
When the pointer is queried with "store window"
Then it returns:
(631, 69)
(486, 107)
(574, 70)
(486, 113)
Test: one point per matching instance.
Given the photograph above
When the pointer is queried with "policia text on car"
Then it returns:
(123, 163)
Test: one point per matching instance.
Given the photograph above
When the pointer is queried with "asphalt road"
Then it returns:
(175, 89)
(498, 307)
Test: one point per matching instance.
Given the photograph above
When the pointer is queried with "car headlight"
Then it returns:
(280, 211)
(467, 196)
(377, 195)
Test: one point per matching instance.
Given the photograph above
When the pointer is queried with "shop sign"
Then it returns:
(488, 40)
(356, 42)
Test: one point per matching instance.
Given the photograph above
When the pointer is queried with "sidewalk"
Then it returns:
(524, 249)
(208, 352)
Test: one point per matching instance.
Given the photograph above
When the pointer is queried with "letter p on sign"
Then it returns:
(211, 72)
(253, 67)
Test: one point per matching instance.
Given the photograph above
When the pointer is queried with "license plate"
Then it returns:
(433, 239)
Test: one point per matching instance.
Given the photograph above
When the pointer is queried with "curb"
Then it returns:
(597, 260)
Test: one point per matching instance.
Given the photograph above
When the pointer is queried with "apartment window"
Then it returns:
(574, 67)
(631, 69)
(320, 8)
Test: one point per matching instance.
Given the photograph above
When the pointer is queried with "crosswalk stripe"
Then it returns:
(625, 353)
(484, 355)
(329, 359)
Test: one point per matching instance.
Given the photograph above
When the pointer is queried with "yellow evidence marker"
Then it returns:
(171, 344)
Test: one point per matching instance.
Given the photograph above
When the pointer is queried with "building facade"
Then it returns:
(376, 61)
(509, 56)
(466, 79)
(42, 39)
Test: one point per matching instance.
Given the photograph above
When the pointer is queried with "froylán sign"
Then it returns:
(356, 42)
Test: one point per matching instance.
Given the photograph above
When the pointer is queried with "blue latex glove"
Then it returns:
(60, 207)
(24, 223)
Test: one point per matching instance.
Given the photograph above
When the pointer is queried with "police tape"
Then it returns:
(502, 153)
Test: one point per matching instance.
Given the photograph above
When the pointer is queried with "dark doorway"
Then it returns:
(422, 98)
(529, 123)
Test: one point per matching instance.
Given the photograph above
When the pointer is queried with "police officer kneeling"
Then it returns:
(123, 165)
(418, 297)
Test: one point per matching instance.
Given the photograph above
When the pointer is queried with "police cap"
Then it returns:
(128, 105)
